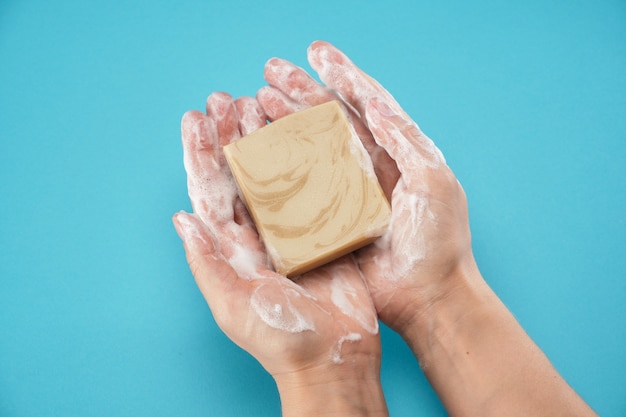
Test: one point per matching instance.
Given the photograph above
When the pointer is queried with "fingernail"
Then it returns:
(187, 229)
(177, 220)
(278, 71)
(219, 104)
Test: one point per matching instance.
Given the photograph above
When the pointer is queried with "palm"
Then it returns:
(428, 235)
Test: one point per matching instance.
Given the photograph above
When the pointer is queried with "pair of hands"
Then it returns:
(321, 326)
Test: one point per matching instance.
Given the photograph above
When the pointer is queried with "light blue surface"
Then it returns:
(99, 315)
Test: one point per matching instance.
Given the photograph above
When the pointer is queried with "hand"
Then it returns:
(319, 331)
(421, 273)
(429, 238)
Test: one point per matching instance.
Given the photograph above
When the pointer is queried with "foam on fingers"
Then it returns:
(277, 104)
(337, 71)
(201, 246)
(402, 139)
(296, 83)
(220, 285)
(196, 132)
(391, 138)
(210, 189)
(251, 115)
(193, 233)
(221, 108)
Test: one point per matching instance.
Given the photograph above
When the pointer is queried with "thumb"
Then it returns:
(402, 139)
(219, 283)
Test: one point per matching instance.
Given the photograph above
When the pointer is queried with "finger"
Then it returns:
(277, 104)
(223, 290)
(299, 90)
(303, 91)
(404, 142)
(251, 115)
(337, 71)
(296, 83)
(210, 189)
(198, 134)
(251, 118)
(221, 108)
(275, 300)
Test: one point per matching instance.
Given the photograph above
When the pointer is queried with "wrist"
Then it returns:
(418, 302)
(457, 296)
(352, 388)
(478, 358)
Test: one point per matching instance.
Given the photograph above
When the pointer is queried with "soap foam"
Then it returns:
(244, 261)
(211, 188)
(271, 303)
(404, 245)
(408, 242)
(345, 297)
(191, 224)
(414, 150)
(251, 115)
(411, 236)
(274, 256)
(360, 153)
(213, 194)
(293, 80)
(350, 337)
(338, 72)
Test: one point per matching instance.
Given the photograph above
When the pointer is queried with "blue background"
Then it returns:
(99, 314)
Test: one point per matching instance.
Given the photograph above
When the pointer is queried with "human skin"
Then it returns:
(317, 335)
(422, 275)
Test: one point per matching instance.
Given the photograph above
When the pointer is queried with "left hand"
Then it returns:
(321, 321)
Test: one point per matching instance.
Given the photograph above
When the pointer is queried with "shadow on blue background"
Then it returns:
(99, 314)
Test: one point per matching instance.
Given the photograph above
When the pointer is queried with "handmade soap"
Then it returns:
(310, 187)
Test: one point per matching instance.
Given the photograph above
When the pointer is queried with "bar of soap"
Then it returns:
(310, 188)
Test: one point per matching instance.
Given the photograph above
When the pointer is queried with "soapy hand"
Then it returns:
(428, 238)
(320, 320)
(318, 334)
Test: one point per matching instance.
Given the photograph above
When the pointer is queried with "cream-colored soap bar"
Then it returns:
(310, 187)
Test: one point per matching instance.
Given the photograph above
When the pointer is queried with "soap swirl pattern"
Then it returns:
(311, 189)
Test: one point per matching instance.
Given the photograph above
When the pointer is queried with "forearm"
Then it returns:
(479, 359)
(351, 391)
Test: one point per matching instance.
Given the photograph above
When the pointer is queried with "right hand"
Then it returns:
(428, 245)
